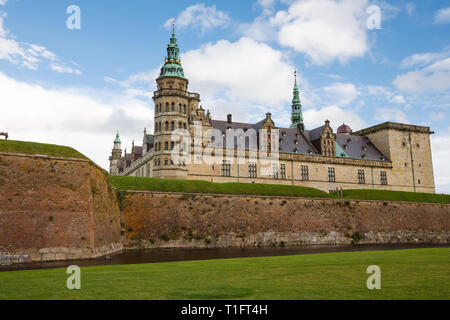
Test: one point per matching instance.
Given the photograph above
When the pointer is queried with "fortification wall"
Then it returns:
(55, 209)
(176, 220)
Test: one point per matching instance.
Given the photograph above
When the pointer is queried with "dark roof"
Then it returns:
(149, 139)
(314, 134)
(359, 147)
(294, 141)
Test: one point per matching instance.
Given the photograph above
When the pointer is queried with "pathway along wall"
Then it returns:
(176, 220)
(55, 209)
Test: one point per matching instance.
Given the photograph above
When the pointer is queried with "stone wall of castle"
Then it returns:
(189, 220)
(55, 209)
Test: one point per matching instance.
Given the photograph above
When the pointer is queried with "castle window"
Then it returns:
(305, 173)
(167, 107)
(167, 125)
(166, 146)
(180, 125)
(226, 168)
(417, 145)
(159, 162)
(173, 106)
(184, 125)
(275, 171)
(283, 171)
(331, 175)
(172, 145)
(179, 107)
(252, 170)
(172, 125)
(184, 108)
(383, 177)
(361, 177)
(166, 162)
(419, 181)
(403, 144)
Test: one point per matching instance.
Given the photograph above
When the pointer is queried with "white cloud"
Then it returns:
(434, 78)
(337, 115)
(27, 55)
(442, 16)
(399, 99)
(3, 2)
(70, 116)
(200, 16)
(391, 114)
(422, 59)
(243, 75)
(325, 30)
(341, 93)
(441, 154)
(64, 69)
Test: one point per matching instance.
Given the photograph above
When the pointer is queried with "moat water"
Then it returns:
(172, 255)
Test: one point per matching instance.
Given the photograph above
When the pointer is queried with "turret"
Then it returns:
(297, 116)
(116, 156)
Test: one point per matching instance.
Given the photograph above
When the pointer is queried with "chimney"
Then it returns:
(229, 118)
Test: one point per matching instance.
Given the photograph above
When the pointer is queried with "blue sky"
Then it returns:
(77, 87)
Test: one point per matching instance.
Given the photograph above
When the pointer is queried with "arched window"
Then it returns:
(180, 107)
(167, 125)
(173, 106)
(172, 125)
(167, 107)
(184, 108)
(184, 125)
(166, 146)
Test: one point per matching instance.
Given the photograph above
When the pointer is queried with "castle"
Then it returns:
(388, 156)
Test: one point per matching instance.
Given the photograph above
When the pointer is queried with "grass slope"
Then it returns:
(405, 274)
(11, 146)
(198, 186)
(396, 196)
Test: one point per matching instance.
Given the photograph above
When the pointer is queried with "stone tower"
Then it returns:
(116, 156)
(173, 106)
(297, 116)
(409, 149)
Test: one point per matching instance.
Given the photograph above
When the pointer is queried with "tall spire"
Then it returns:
(297, 116)
(172, 65)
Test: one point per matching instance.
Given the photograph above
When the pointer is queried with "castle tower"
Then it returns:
(116, 155)
(297, 116)
(173, 106)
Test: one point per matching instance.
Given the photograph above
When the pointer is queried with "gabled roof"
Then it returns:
(359, 147)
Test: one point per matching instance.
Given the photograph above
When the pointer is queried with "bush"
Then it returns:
(396, 196)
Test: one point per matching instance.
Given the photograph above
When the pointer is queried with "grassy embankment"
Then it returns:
(405, 274)
(198, 186)
(396, 196)
(11, 146)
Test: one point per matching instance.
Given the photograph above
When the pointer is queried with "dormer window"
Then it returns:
(296, 141)
(363, 156)
(364, 148)
(283, 134)
(345, 146)
(295, 150)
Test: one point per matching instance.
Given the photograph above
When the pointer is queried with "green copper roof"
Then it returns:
(172, 65)
(297, 116)
(117, 138)
(340, 153)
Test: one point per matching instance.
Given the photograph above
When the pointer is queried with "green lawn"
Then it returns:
(11, 146)
(396, 196)
(405, 274)
(198, 186)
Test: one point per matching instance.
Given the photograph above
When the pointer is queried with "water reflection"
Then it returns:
(169, 255)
